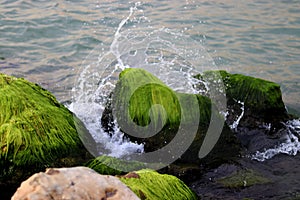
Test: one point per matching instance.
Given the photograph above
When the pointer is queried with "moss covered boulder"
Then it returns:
(258, 101)
(151, 113)
(143, 104)
(255, 110)
(149, 184)
(36, 131)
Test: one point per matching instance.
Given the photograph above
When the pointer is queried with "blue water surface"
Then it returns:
(47, 41)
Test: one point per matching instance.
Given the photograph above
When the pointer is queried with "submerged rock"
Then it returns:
(243, 178)
(36, 131)
(73, 183)
(148, 184)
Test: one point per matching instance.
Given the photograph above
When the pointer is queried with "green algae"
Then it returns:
(114, 166)
(260, 95)
(149, 184)
(142, 98)
(243, 178)
(35, 129)
(136, 97)
(104, 165)
(256, 92)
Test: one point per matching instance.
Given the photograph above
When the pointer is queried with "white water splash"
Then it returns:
(114, 47)
(171, 56)
(291, 146)
(92, 91)
(235, 124)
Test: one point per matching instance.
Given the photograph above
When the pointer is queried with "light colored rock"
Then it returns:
(75, 183)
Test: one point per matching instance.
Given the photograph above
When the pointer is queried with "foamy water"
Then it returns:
(291, 146)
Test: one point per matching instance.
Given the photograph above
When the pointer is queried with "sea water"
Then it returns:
(76, 49)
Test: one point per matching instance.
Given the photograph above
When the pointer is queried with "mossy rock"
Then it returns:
(114, 166)
(255, 92)
(146, 109)
(36, 131)
(104, 165)
(144, 106)
(141, 99)
(149, 184)
(262, 99)
(135, 107)
(243, 178)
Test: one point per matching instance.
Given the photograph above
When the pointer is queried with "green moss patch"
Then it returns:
(113, 166)
(35, 129)
(148, 184)
(104, 165)
(142, 100)
(260, 96)
(136, 93)
(243, 178)
(258, 93)
(139, 90)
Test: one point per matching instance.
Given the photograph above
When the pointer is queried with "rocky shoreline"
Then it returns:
(38, 133)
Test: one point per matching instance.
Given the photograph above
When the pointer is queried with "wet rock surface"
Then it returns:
(281, 175)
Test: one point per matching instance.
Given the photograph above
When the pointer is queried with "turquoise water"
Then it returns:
(47, 41)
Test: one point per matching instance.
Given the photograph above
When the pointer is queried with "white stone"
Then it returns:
(75, 183)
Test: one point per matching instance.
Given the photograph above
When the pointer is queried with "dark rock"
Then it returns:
(187, 172)
(243, 178)
(258, 139)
